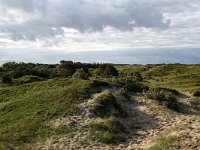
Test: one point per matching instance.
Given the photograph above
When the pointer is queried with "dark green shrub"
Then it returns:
(81, 74)
(110, 130)
(132, 85)
(133, 75)
(107, 70)
(123, 92)
(164, 98)
(6, 80)
(105, 105)
(66, 68)
(100, 84)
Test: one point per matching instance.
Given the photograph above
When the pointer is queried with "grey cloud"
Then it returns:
(83, 15)
(26, 5)
(30, 32)
(95, 15)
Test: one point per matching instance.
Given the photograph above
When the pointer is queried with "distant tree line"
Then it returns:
(13, 70)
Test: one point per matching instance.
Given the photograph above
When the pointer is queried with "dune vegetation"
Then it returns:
(96, 105)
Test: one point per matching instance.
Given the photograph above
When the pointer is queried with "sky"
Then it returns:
(112, 31)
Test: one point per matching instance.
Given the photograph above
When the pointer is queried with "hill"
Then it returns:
(98, 106)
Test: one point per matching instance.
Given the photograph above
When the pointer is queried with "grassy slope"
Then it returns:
(180, 77)
(25, 109)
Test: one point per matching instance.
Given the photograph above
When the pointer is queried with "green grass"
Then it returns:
(196, 104)
(168, 140)
(110, 130)
(25, 109)
(165, 143)
(164, 98)
(105, 105)
(179, 77)
(27, 79)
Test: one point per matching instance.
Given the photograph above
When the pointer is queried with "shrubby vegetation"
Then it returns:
(106, 70)
(105, 105)
(57, 90)
(13, 70)
(130, 85)
(109, 130)
(6, 80)
(81, 74)
(165, 98)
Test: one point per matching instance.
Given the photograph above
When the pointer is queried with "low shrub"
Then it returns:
(105, 105)
(132, 85)
(81, 74)
(164, 98)
(110, 130)
(106, 70)
(97, 83)
(6, 80)
(123, 92)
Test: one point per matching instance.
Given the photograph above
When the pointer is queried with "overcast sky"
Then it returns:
(115, 31)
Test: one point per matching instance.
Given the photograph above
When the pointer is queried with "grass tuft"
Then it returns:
(106, 105)
(164, 142)
(110, 130)
(164, 98)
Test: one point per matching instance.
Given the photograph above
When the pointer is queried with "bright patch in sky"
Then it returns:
(117, 31)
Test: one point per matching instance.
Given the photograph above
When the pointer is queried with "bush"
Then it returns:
(110, 130)
(107, 70)
(123, 92)
(132, 85)
(164, 98)
(105, 105)
(81, 74)
(6, 80)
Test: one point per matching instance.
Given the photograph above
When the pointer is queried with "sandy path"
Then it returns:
(145, 120)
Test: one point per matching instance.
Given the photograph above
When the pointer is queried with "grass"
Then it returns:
(179, 77)
(106, 105)
(196, 104)
(110, 130)
(27, 79)
(26, 108)
(124, 93)
(165, 143)
(167, 140)
(28, 105)
(164, 97)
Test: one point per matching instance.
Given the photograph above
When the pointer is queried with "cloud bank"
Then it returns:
(96, 25)
(33, 19)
